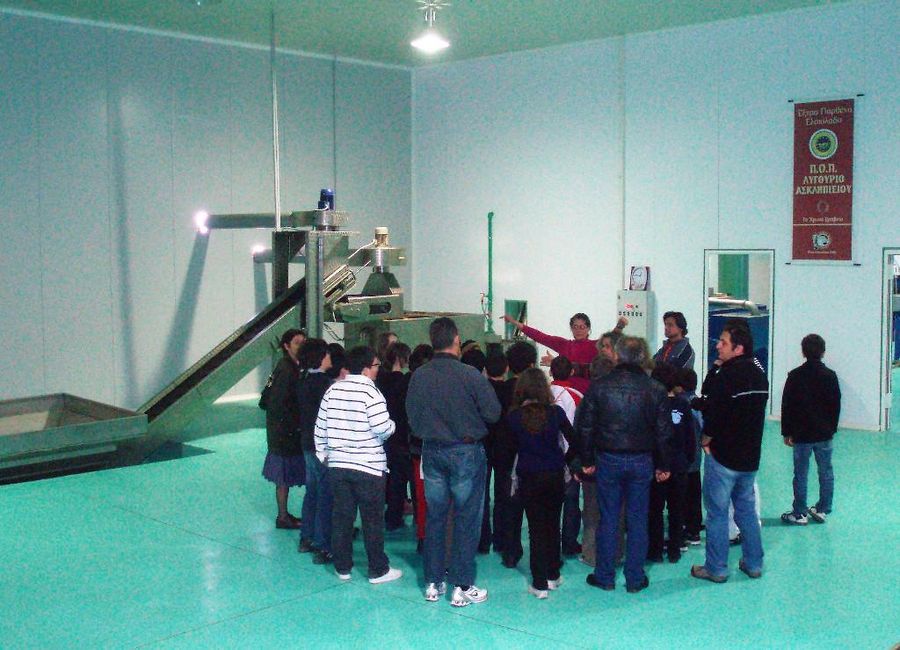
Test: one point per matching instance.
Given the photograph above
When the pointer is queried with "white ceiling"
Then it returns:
(380, 30)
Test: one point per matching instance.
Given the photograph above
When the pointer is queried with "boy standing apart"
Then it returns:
(810, 409)
(351, 428)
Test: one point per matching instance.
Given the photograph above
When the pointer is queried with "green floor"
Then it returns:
(184, 553)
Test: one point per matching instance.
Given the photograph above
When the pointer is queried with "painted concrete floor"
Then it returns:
(184, 554)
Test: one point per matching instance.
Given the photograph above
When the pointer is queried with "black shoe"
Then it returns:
(322, 557)
(737, 540)
(654, 557)
(592, 581)
(638, 587)
(287, 523)
(572, 551)
(674, 557)
(484, 550)
(510, 562)
(305, 546)
(692, 538)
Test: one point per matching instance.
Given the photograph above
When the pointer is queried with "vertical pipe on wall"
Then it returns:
(275, 137)
(490, 291)
(334, 174)
(623, 126)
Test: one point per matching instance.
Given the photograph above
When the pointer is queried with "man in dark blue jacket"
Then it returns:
(810, 409)
(734, 399)
(449, 405)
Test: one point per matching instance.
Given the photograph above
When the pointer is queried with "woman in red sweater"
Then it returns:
(580, 349)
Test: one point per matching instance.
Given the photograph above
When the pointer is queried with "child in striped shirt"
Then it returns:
(351, 428)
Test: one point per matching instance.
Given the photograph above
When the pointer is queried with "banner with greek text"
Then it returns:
(823, 181)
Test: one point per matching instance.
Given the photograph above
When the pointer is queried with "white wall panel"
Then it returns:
(76, 285)
(21, 220)
(373, 127)
(140, 180)
(671, 162)
(536, 138)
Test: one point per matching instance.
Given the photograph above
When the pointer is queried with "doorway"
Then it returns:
(739, 284)
(890, 328)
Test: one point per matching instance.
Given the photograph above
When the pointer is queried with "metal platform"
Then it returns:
(61, 428)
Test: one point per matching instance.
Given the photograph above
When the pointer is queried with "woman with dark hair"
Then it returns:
(541, 433)
(285, 465)
(580, 349)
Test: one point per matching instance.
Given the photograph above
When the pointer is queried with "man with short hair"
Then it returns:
(734, 399)
(351, 428)
(449, 405)
(623, 427)
(676, 350)
(810, 409)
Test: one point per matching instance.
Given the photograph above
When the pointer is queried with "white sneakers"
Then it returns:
(433, 592)
(818, 517)
(473, 594)
(343, 576)
(391, 575)
(541, 594)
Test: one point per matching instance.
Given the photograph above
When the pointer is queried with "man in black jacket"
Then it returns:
(735, 393)
(623, 426)
(810, 409)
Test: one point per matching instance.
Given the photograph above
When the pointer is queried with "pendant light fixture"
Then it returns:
(431, 42)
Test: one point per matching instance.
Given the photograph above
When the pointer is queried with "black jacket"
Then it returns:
(810, 403)
(624, 411)
(311, 388)
(499, 443)
(283, 410)
(734, 412)
(683, 445)
(394, 385)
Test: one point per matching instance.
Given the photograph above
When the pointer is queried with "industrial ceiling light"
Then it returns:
(431, 42)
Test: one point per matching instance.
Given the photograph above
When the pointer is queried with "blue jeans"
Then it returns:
(454, 474)
(628, 477)
(722, 486)
(317, 504)
(822, 451)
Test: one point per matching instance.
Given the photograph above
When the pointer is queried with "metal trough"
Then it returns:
(40, 430)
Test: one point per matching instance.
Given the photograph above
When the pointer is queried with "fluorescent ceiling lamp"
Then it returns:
(430, 42)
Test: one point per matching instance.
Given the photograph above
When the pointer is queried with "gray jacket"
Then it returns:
(681, 356)
(449, 402)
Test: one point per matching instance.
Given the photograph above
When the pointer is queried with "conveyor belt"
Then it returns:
(211, 377)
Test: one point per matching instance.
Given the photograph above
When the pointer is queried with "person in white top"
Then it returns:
(568, 399)
(351, 428)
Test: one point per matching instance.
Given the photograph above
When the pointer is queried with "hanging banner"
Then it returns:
(823, 181)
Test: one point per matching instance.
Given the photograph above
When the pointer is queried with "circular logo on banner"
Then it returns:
(821, 240)
(823, 144)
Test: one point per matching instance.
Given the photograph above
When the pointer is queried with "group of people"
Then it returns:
(621, 428)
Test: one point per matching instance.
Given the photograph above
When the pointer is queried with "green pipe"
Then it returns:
(490, 292)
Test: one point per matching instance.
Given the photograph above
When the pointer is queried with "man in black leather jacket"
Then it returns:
(623, 426)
